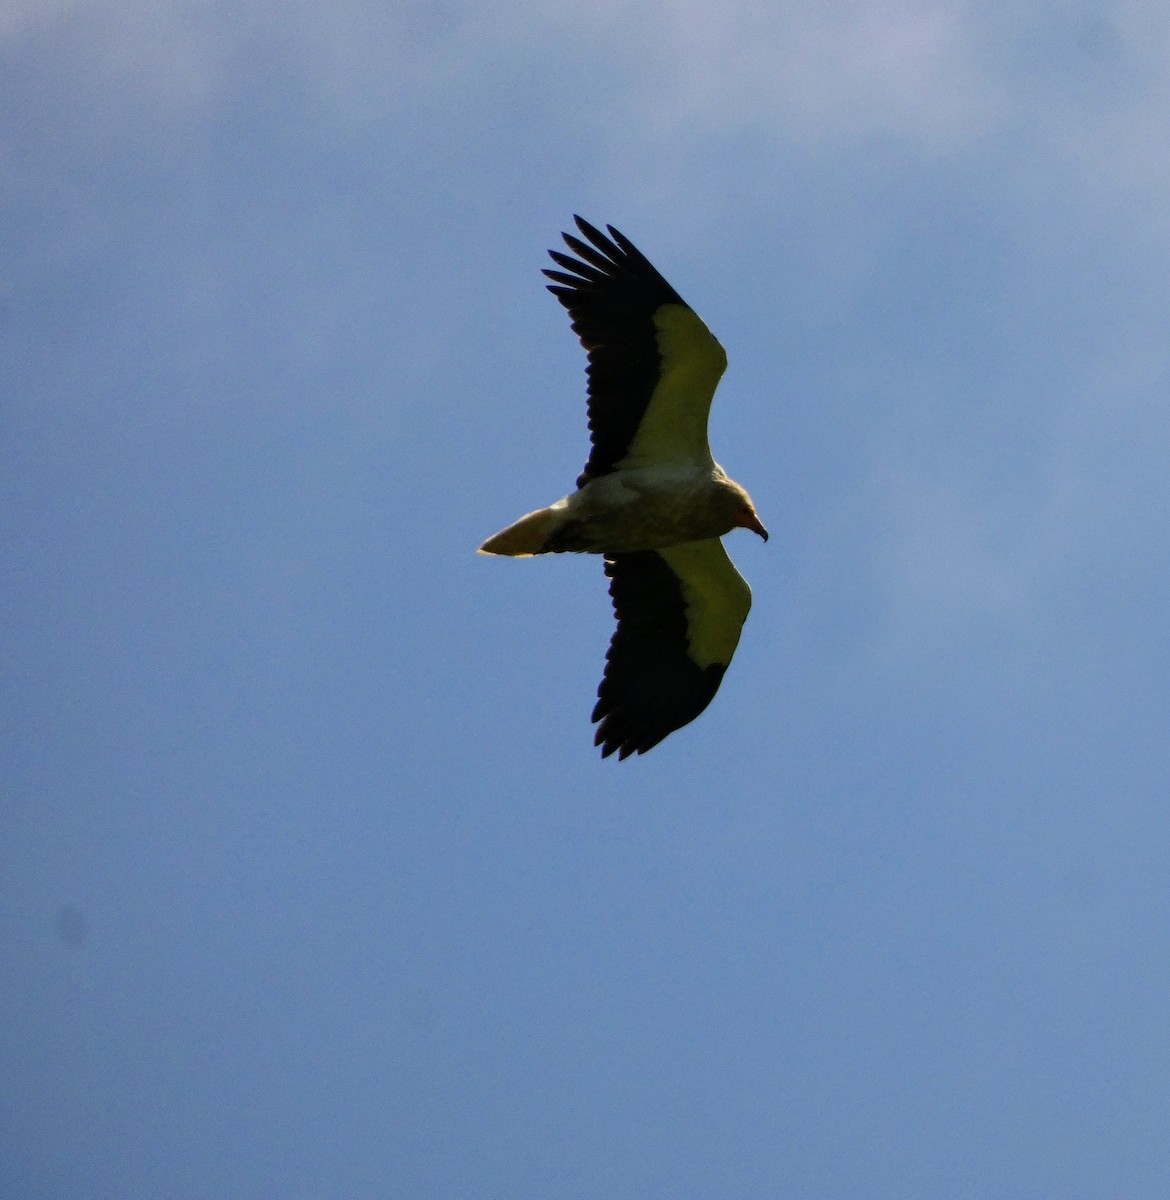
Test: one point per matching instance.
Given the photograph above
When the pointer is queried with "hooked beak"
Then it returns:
(752, 522)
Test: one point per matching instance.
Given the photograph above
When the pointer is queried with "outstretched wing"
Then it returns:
(653, 364)
(679, 611)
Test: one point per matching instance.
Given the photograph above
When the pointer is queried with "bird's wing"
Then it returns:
(679, 613)
(653, 364)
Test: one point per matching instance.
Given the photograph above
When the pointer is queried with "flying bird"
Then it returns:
(651, 499)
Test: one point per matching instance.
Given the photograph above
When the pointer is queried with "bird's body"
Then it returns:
(651, 499)
(637, 508)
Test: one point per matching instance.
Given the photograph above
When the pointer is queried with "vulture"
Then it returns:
(651, 499)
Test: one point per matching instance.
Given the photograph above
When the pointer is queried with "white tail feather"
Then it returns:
(527, 536)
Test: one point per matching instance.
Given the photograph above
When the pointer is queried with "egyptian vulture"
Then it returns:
(651, 499)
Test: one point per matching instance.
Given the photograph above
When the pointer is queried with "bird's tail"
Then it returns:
(535, 533)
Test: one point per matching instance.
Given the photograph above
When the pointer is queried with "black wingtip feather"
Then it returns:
(604, 263)
(590, 231)
(612, 293)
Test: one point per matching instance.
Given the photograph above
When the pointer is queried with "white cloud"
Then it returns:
(810, 71)
(358, 58)
(936, 72)
(172, 53)
(690, 68)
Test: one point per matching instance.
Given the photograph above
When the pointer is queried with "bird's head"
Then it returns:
(743, 511)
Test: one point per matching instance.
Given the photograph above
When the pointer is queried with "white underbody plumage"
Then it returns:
(646, 508)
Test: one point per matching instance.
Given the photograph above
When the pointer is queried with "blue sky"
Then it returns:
(311, 883)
